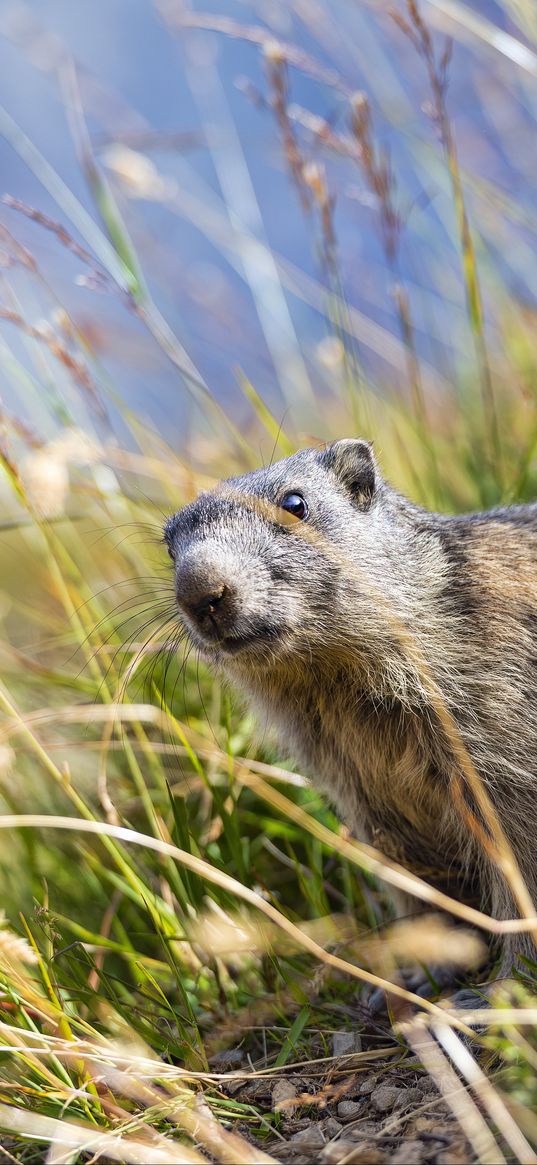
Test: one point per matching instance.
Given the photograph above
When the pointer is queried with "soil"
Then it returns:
(347, 1113)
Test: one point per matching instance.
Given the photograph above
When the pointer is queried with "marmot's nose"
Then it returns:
(203, 595)
(208, 603)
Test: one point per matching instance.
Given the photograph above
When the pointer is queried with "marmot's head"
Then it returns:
(260, 560)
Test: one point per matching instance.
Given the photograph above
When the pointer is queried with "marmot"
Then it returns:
(286, 580)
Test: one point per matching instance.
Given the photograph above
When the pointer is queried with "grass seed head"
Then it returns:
(13, 948)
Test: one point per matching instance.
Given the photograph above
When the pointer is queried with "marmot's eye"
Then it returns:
(295, 505)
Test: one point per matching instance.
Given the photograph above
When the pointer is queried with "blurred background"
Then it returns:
(201, 130)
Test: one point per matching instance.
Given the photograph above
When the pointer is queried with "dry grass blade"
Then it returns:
(192, 1115)
(106, 1056)
(56, 228)
(255, 256)
(74, 366)
(437, 66)
(452, 13)
(179, 16)
(64, 198)
(521, 1016)
(485, 1092)
(485, 1146)
(360, 854)
(69, 1137)
(375, 862)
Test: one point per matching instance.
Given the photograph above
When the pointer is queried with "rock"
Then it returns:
(345, 1043)
(310, 1138)
(230, 1087)
(368, 1085)
(363, 1131)
(257, 1091)
(430, 1125)
(348, 1110)
(425, 1084)
(284, 1094)
(409, 1097)
(331, 1127)
(424, 1124)
(227, 1060)
(386, 1097)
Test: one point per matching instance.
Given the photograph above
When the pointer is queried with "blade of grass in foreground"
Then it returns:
(477, 25)
(225, 881)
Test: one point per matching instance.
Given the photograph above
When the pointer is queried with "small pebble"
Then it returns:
(227, 1060)
(257, 1091)
(385, 1098)
(345, 1151)
(367, 1154)
(348, 1110)
(311, 1138)
(368, 1085)
(345, 1043)
(283, 1095)
(425, 1084)
(410, 1096)
(331, 1127)
(362, 1131)
(232, 1086)
(434, 1128)
(424, 1124)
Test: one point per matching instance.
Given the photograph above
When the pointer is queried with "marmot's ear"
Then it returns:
(353, 463)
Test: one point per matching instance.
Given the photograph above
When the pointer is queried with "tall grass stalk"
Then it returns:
(418, 32)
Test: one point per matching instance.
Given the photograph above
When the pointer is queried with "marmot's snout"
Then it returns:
(227, 600)
(207, 596)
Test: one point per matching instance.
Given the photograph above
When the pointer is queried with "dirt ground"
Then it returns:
(385, 1113)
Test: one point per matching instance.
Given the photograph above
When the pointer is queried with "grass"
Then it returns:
(174, 892)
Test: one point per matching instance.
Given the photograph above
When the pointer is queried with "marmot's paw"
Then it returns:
(439, 979)
(470, 998)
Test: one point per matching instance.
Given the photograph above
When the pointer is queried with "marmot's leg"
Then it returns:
(513, 946)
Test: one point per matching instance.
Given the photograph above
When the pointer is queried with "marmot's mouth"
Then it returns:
(253, 637)
(261, 637)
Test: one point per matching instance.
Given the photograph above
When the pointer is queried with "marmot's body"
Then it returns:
(297, 612)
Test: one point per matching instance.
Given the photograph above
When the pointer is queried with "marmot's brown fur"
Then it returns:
(294, 581)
